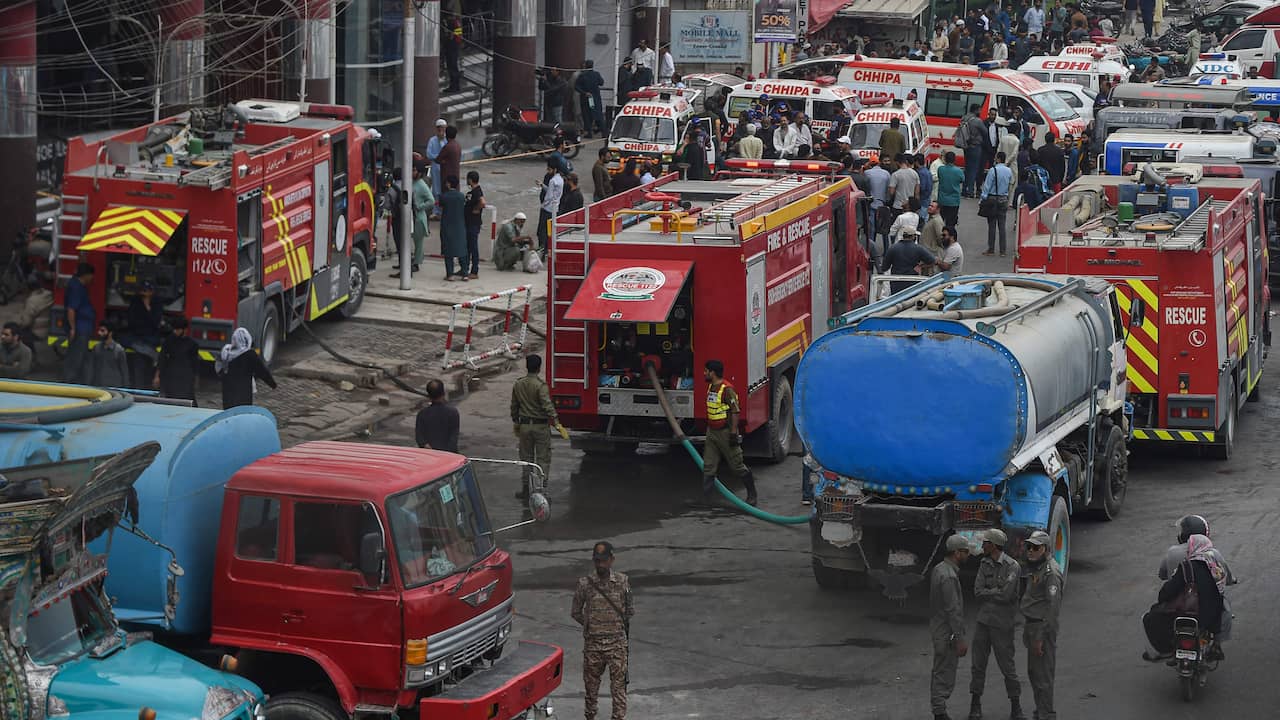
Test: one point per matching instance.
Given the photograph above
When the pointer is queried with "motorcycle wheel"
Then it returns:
(497, 145)
(574, 149)
(1188, 688)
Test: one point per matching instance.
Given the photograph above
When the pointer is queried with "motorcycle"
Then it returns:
(1193, 655)
(1099, 9)
(515, 133)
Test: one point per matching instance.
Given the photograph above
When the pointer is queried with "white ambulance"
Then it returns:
(946, 91)
(1103, 48)
(875, 116)
(1216, 65)
(820, 100)
(1083, 70)
(651, 124)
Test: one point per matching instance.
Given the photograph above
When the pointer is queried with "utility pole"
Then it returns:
(406, 143)
(333, 51)
(617, 54)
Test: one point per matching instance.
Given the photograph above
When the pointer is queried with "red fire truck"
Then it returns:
(746, 269)
(256, 215)
(1188, 254)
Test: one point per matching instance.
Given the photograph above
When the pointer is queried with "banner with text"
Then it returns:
(710, 36)
(780, 20)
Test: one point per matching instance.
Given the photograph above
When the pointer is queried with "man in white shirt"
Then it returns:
(644, 55)
(551, 189)
(1000, 51)
(1034, 19)
(804, 135)
(952, 259)
(785, 139)
(668, 66)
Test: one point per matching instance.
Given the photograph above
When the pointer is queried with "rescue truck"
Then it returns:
(746, 269)
(946, 91)
(1084, 70)
(874, 117)
(1187, 254)
(818, 99)
(1137, 145)
(256, 215)
(651, 126)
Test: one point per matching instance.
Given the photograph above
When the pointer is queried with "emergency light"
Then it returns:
(811, 166)
(992, 64)
(1213, 56)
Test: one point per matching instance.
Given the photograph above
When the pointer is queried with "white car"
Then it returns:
(1079, 97)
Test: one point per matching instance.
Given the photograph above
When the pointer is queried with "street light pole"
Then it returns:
(406, 181)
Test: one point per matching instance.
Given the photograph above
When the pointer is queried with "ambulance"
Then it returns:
(1171, 146)
(1084, 70)
(818, 99)
(651, 125)
(1217, 65)
(1102, 48)
(874, 117)
(946, 91)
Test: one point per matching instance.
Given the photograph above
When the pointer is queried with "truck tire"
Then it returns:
(269, 338)
(781, 426)
(1060, 533)
(303, 706)
(1110, 477)
(359, 277)
(1227, 433)
(830, 578)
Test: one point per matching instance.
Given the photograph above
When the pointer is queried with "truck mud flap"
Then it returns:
(519, 680)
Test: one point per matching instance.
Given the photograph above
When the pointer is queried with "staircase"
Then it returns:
(472, 107)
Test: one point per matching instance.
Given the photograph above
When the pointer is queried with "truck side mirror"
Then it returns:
(1137, 312)
(373, 558)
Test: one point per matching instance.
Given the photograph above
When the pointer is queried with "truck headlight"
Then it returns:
(220, 702)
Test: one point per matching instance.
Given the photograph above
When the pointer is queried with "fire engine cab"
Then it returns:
(875, 116)
(1188, 255)
(256, 215)
(746, 269)
(652, 124)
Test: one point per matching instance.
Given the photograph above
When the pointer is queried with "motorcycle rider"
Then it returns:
(1189, 525)
(1199, 569)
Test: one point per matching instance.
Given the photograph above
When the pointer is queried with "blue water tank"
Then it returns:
(179, 496)
(1183, 199)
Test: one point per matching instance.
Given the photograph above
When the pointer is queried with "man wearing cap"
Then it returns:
(906, 257)
(602, 605)
(996, 589)
(434, 146)
(751, 146)
(946, 624)
(510, 245)
(1040, 604)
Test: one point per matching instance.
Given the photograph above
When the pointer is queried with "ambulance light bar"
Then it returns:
(1213, 56)
(825, 80)
(877, 99)
(803, 166)
(992, 64)
(642, 94)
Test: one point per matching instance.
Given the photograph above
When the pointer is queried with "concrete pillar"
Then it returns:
(315, 41)
(426, 73)
(566, 34)
(644, 24)
(182, 29)
(17, 120)
(515, 55)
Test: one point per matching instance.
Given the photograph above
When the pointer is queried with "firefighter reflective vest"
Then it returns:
(717, 408)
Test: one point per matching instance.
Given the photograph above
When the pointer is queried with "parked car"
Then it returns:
(1079, 97)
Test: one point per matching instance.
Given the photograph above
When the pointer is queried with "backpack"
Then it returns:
(1040, 178)
(961, 138)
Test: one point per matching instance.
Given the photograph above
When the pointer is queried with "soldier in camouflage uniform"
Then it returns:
(996, 589)
(1040, 604)
(602, 606)
(946, 624)
(533, 416)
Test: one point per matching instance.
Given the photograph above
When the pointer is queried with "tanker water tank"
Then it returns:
(179, 496)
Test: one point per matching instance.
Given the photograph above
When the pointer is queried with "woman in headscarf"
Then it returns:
(1204, 571)
(238, 366)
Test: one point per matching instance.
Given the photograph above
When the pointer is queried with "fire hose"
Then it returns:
(697, 459)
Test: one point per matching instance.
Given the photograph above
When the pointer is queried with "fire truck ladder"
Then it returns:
(72, 222)
(1191, 233)
(567, 344)
(764, 199)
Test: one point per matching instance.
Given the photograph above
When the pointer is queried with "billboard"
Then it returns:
(780, 20)
(710, 36)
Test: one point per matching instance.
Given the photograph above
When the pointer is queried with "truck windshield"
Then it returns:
(439, 528)
(71, 626)
(644, 129)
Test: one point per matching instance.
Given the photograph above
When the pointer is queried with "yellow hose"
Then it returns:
(80, 394)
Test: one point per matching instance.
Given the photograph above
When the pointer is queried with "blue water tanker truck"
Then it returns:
(957, 405)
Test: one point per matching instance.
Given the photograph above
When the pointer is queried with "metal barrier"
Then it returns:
(507, 347)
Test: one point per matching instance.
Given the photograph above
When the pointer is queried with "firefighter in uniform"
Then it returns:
(602, 606)
(946, 624)
(996, 589)
(533, 416)
(724, 442)
(1040, 604)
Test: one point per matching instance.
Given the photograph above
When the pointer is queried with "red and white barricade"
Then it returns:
(506, 347)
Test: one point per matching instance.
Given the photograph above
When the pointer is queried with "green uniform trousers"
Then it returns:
(594, 662)
(1041, 669)
(535, 447)
(720, 447)
(943, 678)
(986, 640)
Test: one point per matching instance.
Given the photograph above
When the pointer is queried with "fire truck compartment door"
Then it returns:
(620, 290)
(132, 230)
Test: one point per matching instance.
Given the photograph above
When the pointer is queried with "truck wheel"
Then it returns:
(1060, 533)
(303, 706)
(1227, 433)
(781, 426)
(1110, 478)
(359, 277)
(269, 338)
(830, 578)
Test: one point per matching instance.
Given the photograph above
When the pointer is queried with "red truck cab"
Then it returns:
(366, 578)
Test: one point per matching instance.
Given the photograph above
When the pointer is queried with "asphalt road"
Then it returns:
(730, 624)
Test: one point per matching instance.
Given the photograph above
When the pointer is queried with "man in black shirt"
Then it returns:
(1053, 160)
(905, 257)
(437, 425)
(474, 211)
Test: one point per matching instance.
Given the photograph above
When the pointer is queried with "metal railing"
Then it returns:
(506, 347)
